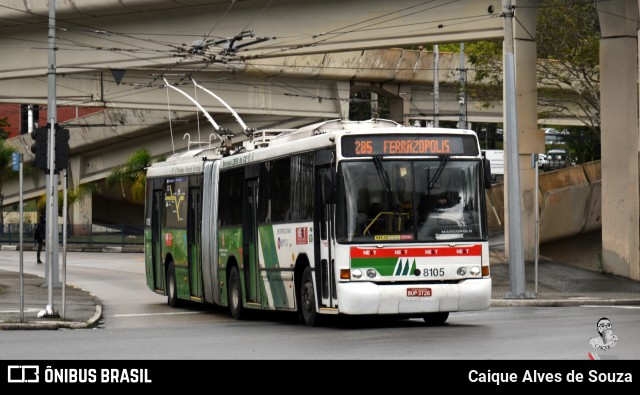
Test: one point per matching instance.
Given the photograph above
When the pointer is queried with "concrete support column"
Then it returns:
(343, 90)
(530, 138)
(399, 102)
(619, 137)
(80, 213)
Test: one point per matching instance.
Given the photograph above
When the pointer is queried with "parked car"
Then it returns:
(553, 137)
(541, 160)
(555, 159)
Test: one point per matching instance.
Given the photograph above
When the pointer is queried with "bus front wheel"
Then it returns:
(235, 294)
(435, 318)
(307, 299)
(172, 292)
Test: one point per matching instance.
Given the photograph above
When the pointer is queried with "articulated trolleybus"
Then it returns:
(338, 217)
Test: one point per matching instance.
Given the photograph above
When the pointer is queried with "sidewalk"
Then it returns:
(82, 309)
(558, 285)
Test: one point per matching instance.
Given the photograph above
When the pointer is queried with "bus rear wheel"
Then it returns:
(234, 293)
(172, 290)
(435, 319)
(308, 299)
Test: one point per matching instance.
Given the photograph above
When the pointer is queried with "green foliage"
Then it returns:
(6, 160)
(74, 195)
(583, 145)
(132, 175)
(567, 37)
(3, 133)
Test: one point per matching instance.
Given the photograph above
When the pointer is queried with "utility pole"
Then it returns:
(436, 87)
(52, 179)
(462, 100)
(516, 255)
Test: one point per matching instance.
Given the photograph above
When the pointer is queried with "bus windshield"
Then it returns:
(409, 201)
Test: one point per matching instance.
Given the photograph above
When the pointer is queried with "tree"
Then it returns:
(132, 174)
(6, 169)
(74, 195)
(567, 36)
(6, 172)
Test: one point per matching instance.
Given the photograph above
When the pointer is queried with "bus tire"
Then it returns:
(172, 289)
(234, 294)
(435, 319)
(308, 299)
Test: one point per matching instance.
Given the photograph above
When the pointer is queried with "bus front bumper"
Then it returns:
(371, 298)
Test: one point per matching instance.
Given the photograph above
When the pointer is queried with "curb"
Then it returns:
(55, 325)
(80, 248)
(563, 302)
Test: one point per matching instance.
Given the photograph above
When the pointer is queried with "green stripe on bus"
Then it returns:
(270, 255)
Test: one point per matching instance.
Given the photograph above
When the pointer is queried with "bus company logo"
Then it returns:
(23, 374)
(168, 239)
(302, 236)
(405, 268)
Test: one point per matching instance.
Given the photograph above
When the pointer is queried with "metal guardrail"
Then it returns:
(88, 234)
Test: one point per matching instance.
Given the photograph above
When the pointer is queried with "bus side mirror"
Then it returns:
(487, 172)
(328, 188)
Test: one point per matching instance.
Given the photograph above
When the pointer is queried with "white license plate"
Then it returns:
(418, 291)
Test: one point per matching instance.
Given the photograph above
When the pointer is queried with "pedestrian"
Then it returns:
(39, 234)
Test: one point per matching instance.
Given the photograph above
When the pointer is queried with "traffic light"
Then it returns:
(62, 148)
(39, 147)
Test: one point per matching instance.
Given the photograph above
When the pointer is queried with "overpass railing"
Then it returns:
(85, 234)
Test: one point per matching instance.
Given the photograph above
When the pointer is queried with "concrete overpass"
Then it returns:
(148, 39)
(106, 140)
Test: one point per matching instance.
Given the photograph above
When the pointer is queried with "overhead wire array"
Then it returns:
(136, 47)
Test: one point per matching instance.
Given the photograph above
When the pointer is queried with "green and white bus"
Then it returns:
(340, 217)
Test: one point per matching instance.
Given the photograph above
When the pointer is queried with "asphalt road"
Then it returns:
(138, 324)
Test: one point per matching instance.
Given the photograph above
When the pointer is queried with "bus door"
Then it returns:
(324, 246)
(250, 260)
(157, 239)
(194, 220)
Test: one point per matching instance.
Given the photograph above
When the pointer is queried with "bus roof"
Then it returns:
(283, 142)
(189, 162)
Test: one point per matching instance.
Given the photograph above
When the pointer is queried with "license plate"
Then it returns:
(418, 291)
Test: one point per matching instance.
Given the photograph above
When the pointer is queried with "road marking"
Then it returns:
(26, 310)
(152, 314)
(611, 306)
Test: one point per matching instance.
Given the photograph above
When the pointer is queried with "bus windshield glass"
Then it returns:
(409, 201)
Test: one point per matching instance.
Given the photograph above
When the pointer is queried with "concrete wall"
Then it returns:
(570, 214)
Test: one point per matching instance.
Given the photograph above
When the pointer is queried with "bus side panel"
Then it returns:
(154, 265)
(276, 275)
(148, 259)
(230, 247)
(175, 244)
(148, 241)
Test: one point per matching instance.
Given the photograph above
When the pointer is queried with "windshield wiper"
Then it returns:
(443, 162)
(384, 178)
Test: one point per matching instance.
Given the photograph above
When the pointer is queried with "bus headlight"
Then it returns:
(462, 271)
(357, 273)
(474, 271)
(371, 273)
